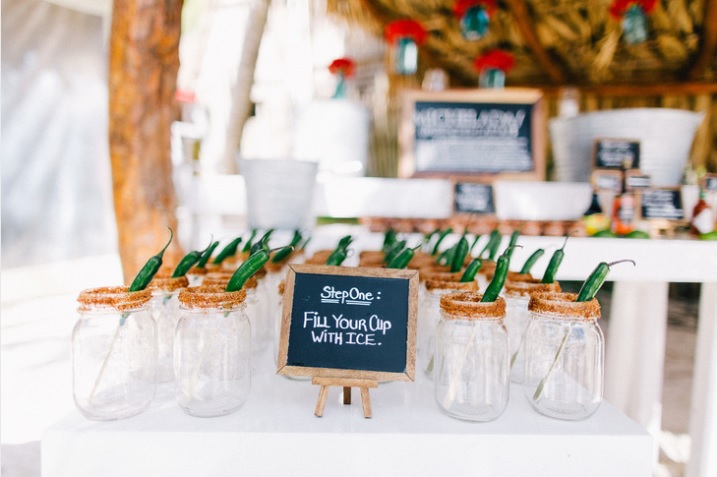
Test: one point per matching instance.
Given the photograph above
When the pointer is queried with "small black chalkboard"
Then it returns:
(661, 204)
(473, 197)
(346, 322)
(710, 182)
(617, 153)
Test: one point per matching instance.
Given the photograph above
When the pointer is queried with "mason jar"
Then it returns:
(164, 307)
(212, 351)
(471, 375)
(564, 353)
(517, 294)
(429, 314)
(114, 353)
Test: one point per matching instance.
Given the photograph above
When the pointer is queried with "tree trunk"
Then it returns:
(144, 60)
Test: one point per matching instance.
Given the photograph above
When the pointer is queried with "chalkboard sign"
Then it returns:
(661, 204)
(473, 197)
(635, 180)
(613, 153)
(607, 179)
(347, 322)
(709, 182)
(469, 133)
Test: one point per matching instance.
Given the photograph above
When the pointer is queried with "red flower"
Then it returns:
(345, 66)
(619, 7)
(405, 29)
(499, 59)
(462, 6)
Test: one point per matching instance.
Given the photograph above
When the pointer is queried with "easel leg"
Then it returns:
(366, 402)
(321, 403)
(347, 394)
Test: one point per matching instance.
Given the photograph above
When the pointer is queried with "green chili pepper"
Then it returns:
(501, 272)
(207, 253)
(596, 279)
(531, 260)
(150, 268)
(493, 250)
(337, 257)
(262, 243)
(475, 241)
(554, 264)
(513, 240)
(441, 235)
(248, 268)
(394, 250)
(303, 245)
(459, 256)
(187, 261)
(228, 251)
(249, 242)
(401, 260)
(283, 254)
(345, 241)
(494, 236)
(446, 256)
(389, 239)
(470, 273)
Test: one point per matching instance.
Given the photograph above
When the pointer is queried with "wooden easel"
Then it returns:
(347, 384)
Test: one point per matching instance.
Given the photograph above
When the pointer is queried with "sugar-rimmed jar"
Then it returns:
(471, 375)
(564, 356)
(212, 351)
(164, 307)
(517, 295)
(429, 314)
(114, 353)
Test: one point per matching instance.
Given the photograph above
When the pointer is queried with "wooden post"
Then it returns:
(144, 60)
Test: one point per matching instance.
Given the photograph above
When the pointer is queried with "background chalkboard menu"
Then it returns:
(473, 133)
(662, 204)
(349, 322)
(617, 153)
(473, 197)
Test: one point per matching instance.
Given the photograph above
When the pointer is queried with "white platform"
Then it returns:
(276, 433)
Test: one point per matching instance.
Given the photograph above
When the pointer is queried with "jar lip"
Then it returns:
(452, 285)
(436, 272)
(168, 284)
(563, 305)
(220, 278)
(211, 296)
(469, 305)
(525, 288)
(116, 297)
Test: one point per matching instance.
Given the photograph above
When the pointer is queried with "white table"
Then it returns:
(635, 345)
(276, 433)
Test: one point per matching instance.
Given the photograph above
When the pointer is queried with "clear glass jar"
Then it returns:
(212, 351)
(114, 353)
(429, 314)
(517, 294)
(164, 307)
(471, 376)
(564, 353)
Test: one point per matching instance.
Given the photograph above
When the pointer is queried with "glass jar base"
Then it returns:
(566, 413)
(488, 416)
(111, 414)
(210, 413)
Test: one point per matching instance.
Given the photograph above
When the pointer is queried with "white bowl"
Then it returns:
(523, 200)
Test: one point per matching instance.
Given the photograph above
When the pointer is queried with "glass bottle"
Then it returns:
(517, 295)
(472, 358)
(475, 23)
(491, 78)
(429, 315)
(703, 217)
(405, 61)
(564, 354)
(634, 25)
(623, 213)
(114, 353)
(212, 351)
(164, 307)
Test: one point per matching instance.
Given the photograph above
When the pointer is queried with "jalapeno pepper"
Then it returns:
(446, 256)
(493, 250)
(513, 240)
(283, 254)
(228, 251)
(150, 268)
(401, 260)
(249, 242)
(473, 245)
(394, 250)
(207, 254)
(248, 268)
(596, 279)
(501, 272)
(470, 273)
(441, 235)
(459, 256)
(389, 239)
(492, 239)
(262, 243)
(531, 261)
(187, 261)
(337, 257)
(554, 264)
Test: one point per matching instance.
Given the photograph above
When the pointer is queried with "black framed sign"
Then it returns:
(607, 179)
(662, 204)
(473, 198)
(616, 153)
(349, 322)
(473, 133)
(709, 182)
